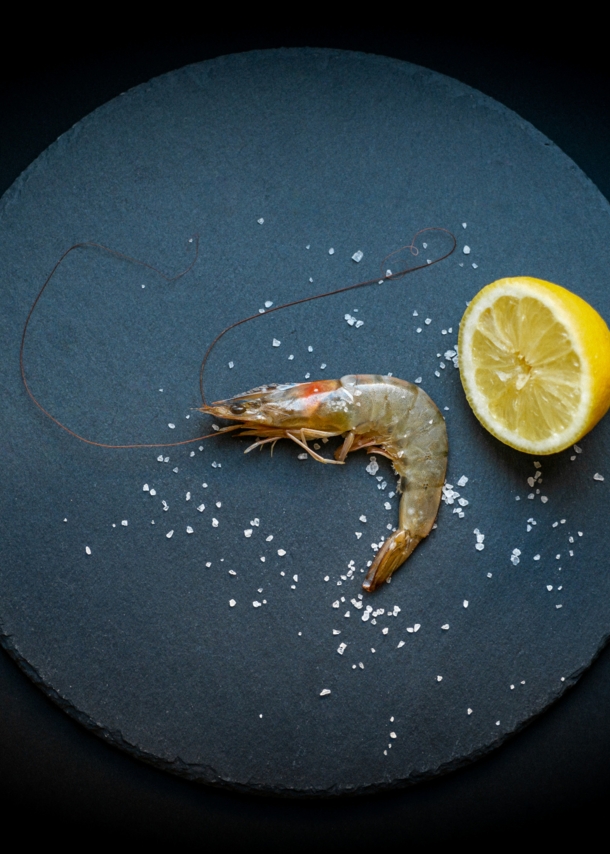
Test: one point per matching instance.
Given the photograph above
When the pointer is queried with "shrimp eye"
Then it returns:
(238, 408)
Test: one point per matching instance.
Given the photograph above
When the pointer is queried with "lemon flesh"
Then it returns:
(534, 361)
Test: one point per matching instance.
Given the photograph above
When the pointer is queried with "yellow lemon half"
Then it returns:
(534, 361)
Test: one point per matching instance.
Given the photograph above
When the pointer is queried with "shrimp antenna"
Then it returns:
(385, 277)
(88, 245)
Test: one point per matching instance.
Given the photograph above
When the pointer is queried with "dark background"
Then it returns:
(552, 781)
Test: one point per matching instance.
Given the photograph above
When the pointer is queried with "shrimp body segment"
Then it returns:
(384, 415)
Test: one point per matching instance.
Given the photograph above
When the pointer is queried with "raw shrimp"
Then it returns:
(385, 415)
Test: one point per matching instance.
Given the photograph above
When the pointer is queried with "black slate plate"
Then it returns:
(137, 639)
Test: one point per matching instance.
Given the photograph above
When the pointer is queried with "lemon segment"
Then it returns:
(534, 361)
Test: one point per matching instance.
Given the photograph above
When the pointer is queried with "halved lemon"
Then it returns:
(534, 361)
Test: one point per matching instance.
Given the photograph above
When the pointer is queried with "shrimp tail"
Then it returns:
(394, 552)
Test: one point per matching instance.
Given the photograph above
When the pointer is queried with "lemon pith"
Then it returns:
(534, 361)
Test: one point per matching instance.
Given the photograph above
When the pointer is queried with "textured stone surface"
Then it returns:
(137, 640)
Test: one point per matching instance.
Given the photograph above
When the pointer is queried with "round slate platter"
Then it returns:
(137, 639)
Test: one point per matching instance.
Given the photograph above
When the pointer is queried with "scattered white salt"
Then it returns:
(373, 466)
(248, 532)
(466, 250)
(189, 530)
(260, 220)
(358, 256)
(276, 343)
(341, 648)
(214, 523)
(598, 476)
(439, 678)
(324, 692)
(465, 603)
(88, 550)
(281, 552)
(145, 488)
(172, 426)
(232, 603)
(169, 535)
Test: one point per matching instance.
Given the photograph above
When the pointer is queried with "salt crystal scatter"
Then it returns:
(445, 627)
(358, 256)
(281, 552)
(598, 476)
(302, 456)
(373, 466)
(324, 692)
(145, 488)
(466, 250)
(201, 508)
(276, 343)
(169, 535)
(341, 648)
(439, 678)
(88, 550)
(214, 523)
(331, 251)
(189, 530)
(465, 603)
(248, 532)
(268, 303)
(260, 220)
(256, 604)
(232, 603)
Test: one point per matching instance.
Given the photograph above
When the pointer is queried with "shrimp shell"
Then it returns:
(384, 415)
